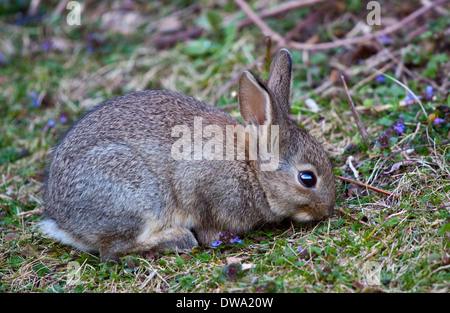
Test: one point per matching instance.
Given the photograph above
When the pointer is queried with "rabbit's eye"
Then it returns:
(307, 178)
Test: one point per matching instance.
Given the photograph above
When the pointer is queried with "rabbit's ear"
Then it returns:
(280, 78)
(254, 100)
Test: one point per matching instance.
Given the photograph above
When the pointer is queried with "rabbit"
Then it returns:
(115, 187)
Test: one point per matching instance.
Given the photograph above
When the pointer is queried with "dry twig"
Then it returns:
(256, 19)
(267, 31)
(361, 128)
(354, 181)
(282, 8)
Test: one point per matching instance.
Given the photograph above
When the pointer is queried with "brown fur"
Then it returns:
(114, 187)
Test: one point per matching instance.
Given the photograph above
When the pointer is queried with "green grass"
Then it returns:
(372, 243)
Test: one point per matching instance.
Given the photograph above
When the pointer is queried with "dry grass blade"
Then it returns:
(406, 87)
(361, 128)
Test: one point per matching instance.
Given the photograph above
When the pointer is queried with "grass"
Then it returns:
(50, 73)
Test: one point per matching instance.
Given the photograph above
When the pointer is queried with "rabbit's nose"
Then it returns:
(326, 210)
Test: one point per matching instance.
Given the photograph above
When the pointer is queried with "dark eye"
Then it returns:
(307, 178)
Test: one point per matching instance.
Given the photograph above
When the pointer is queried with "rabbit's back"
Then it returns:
(152, 170)
(113, 174)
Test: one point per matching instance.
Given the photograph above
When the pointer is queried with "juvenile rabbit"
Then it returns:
(116, 185)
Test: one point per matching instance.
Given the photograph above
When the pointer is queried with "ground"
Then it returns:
(394, 238)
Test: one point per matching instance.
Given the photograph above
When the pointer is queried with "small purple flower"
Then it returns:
(399, 128)
(438, 121)
(411, 98)
(46, 46)
(3, 59)
(62, 118)
(227, 238)
(51, 123)
(236, 240)
(429, 92)
(385, 39)
(300, 250)
(380, 79)
(383, 141)
(35, 97)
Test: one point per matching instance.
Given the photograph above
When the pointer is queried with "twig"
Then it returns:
(259, 22)
(34, 7)
(371, 76)
(369, 63)
(361, 128)
(39, 210)
(388, 30)
(354, 181)
(167, 41)
(285, 7)
(311, 18)
(60, 7)
(329, 45)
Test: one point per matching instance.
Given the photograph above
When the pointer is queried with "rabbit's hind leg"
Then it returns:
(111, 248)
(178, 239)
(170, 239)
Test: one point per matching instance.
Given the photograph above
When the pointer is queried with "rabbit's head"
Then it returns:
(293, 168)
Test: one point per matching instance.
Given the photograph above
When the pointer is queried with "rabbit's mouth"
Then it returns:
(309, 214)
(303, 217)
